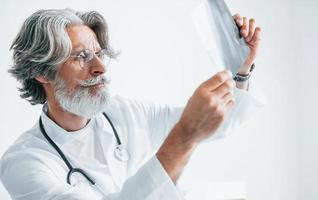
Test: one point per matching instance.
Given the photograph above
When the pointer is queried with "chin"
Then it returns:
(84, 102)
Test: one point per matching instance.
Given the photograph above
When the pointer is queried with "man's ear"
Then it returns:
(42, 79)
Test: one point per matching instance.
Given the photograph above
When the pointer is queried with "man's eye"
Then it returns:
(100, 55)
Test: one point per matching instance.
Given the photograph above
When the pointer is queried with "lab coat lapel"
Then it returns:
(118, 169)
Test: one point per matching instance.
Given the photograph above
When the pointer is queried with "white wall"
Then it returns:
(307, 68)
(162, 60)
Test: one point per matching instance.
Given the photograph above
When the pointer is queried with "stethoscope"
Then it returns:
(120, 153)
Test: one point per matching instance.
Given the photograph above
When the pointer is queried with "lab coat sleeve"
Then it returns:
(30, 177)
(151, 182)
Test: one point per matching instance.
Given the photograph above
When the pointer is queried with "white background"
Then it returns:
(162, 59)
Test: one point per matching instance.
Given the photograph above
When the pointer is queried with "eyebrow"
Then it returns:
(79, 50)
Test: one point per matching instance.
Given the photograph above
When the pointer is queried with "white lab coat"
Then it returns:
(31, 169)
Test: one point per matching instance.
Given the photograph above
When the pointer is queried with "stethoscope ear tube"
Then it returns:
(59, 151)
(114, 129)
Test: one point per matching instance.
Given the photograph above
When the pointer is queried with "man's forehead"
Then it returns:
(82, 37)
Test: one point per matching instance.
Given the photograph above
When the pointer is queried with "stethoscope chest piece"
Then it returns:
(121, 154)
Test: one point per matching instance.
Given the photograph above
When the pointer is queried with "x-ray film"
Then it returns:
(220, 35)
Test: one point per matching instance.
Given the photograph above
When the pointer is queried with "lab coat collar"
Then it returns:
(60, 135)
(70, 141)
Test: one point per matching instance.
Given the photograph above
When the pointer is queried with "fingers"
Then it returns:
(238, 19)
(244, 28)
(227, 102)
(248, 29)
(217, 80)
(225, 88)
(256, 37)
(229, 105)
(251, 30)
(228, 97)
(219, 90)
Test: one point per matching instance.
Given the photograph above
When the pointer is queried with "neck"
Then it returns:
(68, 121)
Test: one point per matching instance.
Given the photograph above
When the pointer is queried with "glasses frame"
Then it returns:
(90, 54)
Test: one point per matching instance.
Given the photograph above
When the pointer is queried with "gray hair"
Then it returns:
(43, 44)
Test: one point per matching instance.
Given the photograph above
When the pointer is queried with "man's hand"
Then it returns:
(202, 116)
(208, 106)
(252, 35)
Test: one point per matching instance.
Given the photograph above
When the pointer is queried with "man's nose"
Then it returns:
(97, 67)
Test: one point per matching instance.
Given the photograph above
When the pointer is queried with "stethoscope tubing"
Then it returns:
(62, 155)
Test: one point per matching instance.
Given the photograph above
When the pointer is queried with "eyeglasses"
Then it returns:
(86, 56)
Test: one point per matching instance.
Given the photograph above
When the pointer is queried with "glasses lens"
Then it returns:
(87, 56)
(104, 57)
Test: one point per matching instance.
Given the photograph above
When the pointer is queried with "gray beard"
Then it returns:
(83, 102)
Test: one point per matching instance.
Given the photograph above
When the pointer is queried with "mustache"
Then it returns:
(94, 81)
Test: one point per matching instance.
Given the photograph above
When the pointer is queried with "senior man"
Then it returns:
(88, 144)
